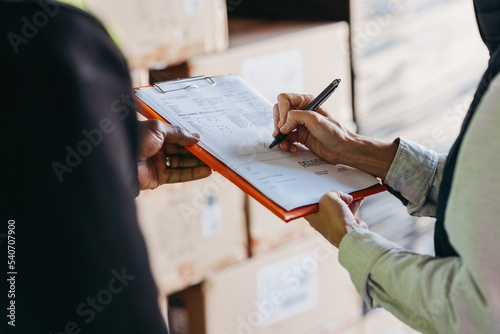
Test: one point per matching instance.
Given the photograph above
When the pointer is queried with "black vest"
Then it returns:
(488, 19)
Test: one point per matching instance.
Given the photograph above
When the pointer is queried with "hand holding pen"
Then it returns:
(313, 106)
(317, 130)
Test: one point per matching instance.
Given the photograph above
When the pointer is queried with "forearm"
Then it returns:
(369, 155)
(433, 295)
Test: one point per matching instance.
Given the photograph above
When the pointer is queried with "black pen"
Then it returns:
(313, 106)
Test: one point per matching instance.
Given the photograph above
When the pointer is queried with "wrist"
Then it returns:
(369, 155)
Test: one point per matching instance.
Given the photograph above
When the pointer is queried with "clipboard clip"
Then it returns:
(209, 82)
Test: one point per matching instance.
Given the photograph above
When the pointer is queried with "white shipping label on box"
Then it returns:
(275, 73)
(211, 222)
(286, 288)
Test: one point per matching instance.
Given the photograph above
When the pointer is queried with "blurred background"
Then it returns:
(223, 263)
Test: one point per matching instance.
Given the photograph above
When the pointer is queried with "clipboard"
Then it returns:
(223, 169)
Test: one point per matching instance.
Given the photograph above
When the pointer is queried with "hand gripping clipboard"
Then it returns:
(223, 169)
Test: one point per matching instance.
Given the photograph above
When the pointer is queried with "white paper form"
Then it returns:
(235, 124)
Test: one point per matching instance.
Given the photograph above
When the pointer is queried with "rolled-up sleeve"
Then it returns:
(415, 174)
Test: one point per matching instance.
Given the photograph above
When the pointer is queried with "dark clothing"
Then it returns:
(69, 148)
(488, 19)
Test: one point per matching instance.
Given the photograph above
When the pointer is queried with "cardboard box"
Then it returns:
(158, 33)
(293, 57)
(279, 56)
(294, 289)
(267, 231)
(192, 229)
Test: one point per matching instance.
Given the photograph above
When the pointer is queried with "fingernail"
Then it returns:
(197, 135)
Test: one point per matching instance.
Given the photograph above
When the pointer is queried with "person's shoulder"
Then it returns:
(29, 18)
(42, 8)
(49, 7)
(56, 34)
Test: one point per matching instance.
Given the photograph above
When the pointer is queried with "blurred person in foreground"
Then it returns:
(75, 158)
(456, 291)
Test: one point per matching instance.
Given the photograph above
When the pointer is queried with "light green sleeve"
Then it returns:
(432, 295)
(453, 294)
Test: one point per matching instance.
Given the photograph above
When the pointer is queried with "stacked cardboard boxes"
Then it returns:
(192, 229)
(156, 33)
(294, 289)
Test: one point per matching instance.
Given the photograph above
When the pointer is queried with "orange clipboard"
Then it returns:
(239, 181)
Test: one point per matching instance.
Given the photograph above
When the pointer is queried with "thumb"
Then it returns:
(344, 197)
